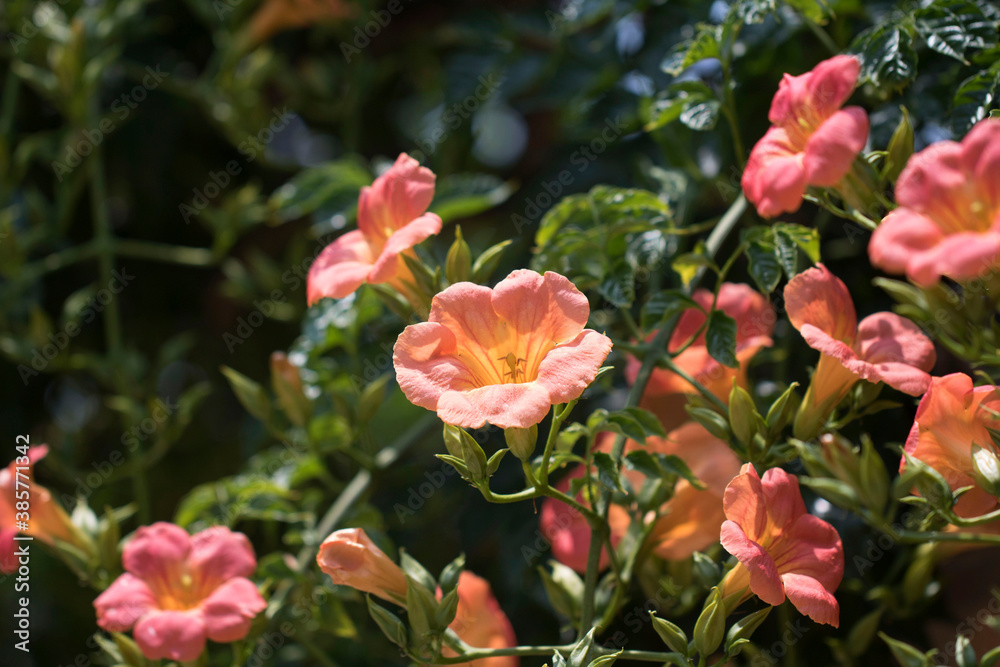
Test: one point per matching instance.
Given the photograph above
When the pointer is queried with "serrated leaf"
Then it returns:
(974, 99)
(888, 58)
(607, 471)
(705, 44)
(952, 27)
(764, 266)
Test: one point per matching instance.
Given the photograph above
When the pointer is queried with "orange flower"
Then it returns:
(665, 394)
(948, 220)
(352, 559)
(504, 355)
(952, 417)
(46, 519)
(392, 218)
(481, 623)
(782, 550)
(884, 347)
(279, 15)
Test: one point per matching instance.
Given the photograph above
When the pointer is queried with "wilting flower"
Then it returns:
(691, 519)
(352, 559)
(392, 218)
(179, 590)
(952, 417)
(884, 347)
(503, 355)
(948, 220)
(812, 140)
(278, 15)
(782, 550)
(45, 518)
(666, 391)
(568, 531)
(481, 623)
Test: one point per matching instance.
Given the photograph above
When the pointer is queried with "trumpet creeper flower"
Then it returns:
(179, 590)
(503, 355)
(948, 219)
(812, 140)
(392, 218)
(782, 550)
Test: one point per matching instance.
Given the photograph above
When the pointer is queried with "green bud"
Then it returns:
(521, 441)
(131, 653)
(986, 469)
(458, 265)
(389, 623)
(780, 412)
(713, 422)
(874, 478)
(672, 636)
(371, 398)
(711, 624)
(900, 147)
(743, 416)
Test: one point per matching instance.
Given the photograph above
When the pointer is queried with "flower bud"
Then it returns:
(743, 417)
(458, 264)
(463, 446)
(521, 441)
(352, 559)
(711, 624)
(986, 469)
(287, 385)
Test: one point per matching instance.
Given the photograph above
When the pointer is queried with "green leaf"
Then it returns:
(607, 471)
(814, 10)
(690, 264)
(327, 189)
(389, 623)
(974, 99)
(754, 11)
(907, 655)
(465, 195)
(663, 305)
(720, 338)
(764, 267)
(806, 238)
(701, 115)
(564, 588)
(486, 263)
(888, 58)
(900, 147)
(952, 27)
(251, 395)
(705, 44)
(743, 629)
(646, 422)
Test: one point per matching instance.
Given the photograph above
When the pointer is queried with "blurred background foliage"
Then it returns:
(203, 152)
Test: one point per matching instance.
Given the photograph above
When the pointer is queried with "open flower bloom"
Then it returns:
(352, 559)
(884, 347)
(948, 220)
(179, 590)
(46, 519)
(392, 218)
(568, 531)
(691, 519)
(812, 140)
(503, 355)
(481, 623)
(781, 549)
(952, 416)
(666, 391)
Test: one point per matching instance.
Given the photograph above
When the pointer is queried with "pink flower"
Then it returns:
(481, 623)
(812, 140)
(179, 590)
(45, 517)
(884, 347)
(781, 549)
(666, 391)
(352, 559)
(392, 218)
(948, 220)
(503, 355)
(952, 416)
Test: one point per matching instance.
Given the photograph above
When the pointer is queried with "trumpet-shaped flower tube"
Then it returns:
(392, 218)
(503, 355)
(782, 550)
(666, 391)
(948, 219)
(179, 590)
(352, 559)
(884, 347)
(481, 623)
(812, 140)
(952, 416)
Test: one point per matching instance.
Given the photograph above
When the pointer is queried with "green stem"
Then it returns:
(162, 252)
(598, 535)
(558, 417)
(668, 363)
(476, 654)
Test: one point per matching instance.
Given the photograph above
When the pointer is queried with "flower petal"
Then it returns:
(157, 551)
(466, 310)
(340, 269)
(570, 368)
(819, 298)
(219, 554)
(398, 196)
(817, 93)
(229, 611)
(811, 599)
(124, 602)
(403, 239)
(480, 622)
(903, 234)
(960, 256)
(744, 502)
(774, 180)
(568, 531)
(812, 547)
(981, 156)
(764, 581)
(174, 635)
(831, 149)
(426, 365)
(782, 497)
(504, 405)
(887, 338)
